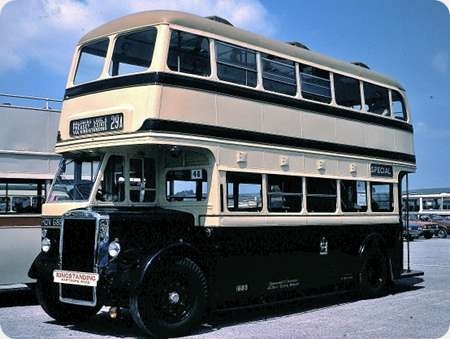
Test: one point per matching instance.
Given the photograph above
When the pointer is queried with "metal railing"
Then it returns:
(25, 101)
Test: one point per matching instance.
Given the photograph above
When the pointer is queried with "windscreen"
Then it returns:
(74, 179)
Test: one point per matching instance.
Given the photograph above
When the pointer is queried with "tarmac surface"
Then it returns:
(410, 311)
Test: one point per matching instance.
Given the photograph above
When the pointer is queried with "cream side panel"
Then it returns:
(350, 132)
(404, 142)
(188, 105)
(239, 113)
(381, 138)
(18, 248)
(281, 121)
(298, 220)
(136, 103)
(59, 208)
(318, 127)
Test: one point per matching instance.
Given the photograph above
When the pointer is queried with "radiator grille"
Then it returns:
(78, 254)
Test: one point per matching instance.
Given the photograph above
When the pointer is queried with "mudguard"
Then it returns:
(181, 249)
(42, 267)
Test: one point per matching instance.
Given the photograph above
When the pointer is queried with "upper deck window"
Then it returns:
(347, 91)
(279, 75)
(398, 106)
(133, 52)
(315, 84)
(376, 99)
(236, 64)
(91, 61)
(189, 53)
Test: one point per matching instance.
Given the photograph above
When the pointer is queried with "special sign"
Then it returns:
(101, 124)
(377, 170)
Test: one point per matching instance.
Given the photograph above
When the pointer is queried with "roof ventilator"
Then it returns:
(298, 44)
(219, 19)
(361, 64)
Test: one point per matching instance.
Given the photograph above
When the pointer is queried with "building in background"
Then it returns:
(28, 131)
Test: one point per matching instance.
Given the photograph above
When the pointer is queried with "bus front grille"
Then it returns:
(78, 254)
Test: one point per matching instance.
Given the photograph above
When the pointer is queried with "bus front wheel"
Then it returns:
(172, 299)
(47, 294)
(373, 276)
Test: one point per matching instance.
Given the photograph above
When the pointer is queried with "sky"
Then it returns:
(408, 40)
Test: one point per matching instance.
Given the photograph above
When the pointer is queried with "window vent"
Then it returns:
(219, 19)
(360, 64)
(298, 44)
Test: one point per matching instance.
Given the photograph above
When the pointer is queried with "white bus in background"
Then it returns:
(27, 164)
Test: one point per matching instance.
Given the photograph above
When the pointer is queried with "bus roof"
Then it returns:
(195, 22)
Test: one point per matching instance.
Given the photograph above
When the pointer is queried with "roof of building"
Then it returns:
(191, 21)
(429, 191)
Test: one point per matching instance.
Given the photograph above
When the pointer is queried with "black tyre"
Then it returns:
(373, 275)
(442, 233)
(428, 235)
(172, 300)
(47, 294)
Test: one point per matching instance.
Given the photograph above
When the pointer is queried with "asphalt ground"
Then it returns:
(411, 310)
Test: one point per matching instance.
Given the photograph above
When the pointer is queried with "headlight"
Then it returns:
(45, 244)
(114, 248)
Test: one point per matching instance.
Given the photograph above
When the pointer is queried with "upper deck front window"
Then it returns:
(91, 61)
(133, 52)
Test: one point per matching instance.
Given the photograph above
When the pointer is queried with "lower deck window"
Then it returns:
(112, 187)
(353, 196)
(284, 193)
(244, 192)
(142, 180)
(186, 185)
(321, 195)
(382, 197)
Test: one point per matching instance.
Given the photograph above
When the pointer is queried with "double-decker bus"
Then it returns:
(206, 167)
(27, 166)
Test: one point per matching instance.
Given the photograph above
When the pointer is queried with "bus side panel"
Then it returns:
(260, 261)
(19, 246)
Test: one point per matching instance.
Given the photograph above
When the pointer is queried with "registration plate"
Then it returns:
(75, 278)
(100, 124)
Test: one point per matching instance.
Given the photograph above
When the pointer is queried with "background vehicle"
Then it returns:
(415, 231)
(27, 165)
(429, 228)
(442, 223)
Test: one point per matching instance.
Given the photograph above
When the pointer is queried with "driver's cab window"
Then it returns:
(112, 187)
(142, 180)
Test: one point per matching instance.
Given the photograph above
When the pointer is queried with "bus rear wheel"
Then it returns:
(47, 294)
(373, 275)
(172, 300)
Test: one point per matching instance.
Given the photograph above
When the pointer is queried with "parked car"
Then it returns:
(429, 228)
(415, 231)
(443, 223)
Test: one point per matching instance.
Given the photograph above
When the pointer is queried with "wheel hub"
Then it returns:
(174, 298)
